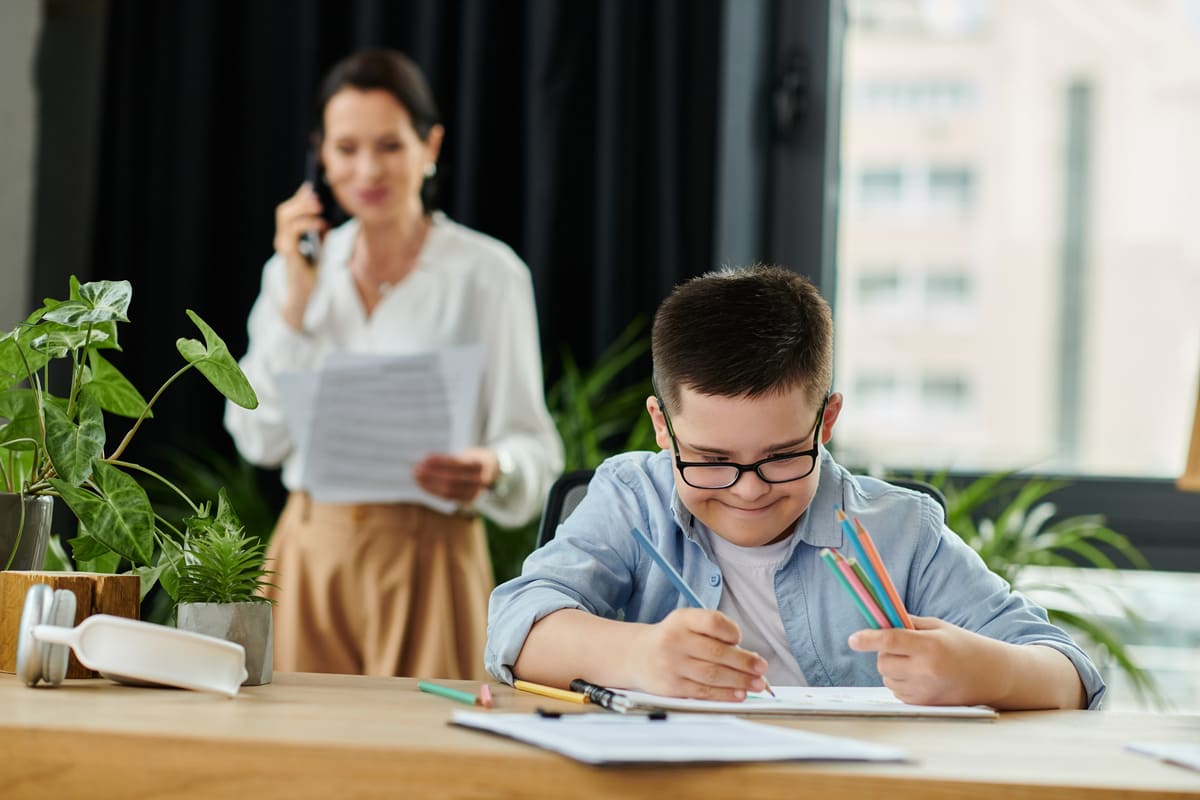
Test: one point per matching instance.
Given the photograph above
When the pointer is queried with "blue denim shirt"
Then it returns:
(595, 564)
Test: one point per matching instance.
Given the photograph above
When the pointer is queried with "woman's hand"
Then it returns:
(694, 653)
(461, 478)
(295, 216)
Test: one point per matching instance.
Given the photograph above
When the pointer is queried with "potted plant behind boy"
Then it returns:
(54, 445)
(218, 577)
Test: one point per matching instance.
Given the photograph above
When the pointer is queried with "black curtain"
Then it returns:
(582, 133)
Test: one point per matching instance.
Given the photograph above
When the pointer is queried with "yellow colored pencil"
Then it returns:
(550, 691)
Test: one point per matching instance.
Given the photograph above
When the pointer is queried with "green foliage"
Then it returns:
(1011, 524)
(202, 471)
(56, 444)
(596, 418)
(217, 562)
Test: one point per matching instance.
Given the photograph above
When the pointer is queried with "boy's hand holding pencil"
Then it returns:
(694, 653)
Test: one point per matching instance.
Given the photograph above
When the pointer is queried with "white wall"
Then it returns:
(20, 22)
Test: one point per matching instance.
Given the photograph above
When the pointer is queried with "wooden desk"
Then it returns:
(341, 736)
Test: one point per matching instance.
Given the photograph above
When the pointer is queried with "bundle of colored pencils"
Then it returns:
(865, 578)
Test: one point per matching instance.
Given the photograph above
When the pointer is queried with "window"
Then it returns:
(878, 285)
(951, 188)
(880, 187)
(947, 288)
(875, 389)
(1043, 233)
(944, 392)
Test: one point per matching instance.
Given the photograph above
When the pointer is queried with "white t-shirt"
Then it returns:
(748, 598)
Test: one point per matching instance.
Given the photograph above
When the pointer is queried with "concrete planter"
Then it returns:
(249, 624)
(31, 549)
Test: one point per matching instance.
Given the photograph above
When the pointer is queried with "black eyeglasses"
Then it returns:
(783, 468)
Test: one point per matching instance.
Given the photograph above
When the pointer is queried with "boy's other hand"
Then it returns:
(694, 653)
(936, 664)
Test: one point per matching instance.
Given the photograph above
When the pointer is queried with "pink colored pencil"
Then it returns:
(861, 591)
(881, 571)
(485, 696)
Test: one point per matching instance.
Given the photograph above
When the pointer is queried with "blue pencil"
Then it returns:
(864, 560)
(674, 576)
(677, 579)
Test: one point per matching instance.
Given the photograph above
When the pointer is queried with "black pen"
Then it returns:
(605, 698)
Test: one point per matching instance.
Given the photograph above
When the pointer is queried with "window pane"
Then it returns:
(1019, 244)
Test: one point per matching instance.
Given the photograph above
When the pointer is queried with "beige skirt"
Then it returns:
(389, 589)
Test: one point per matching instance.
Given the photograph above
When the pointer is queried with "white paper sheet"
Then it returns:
(601, 738)
(364, 421)
(867, 701)
(1183, 754)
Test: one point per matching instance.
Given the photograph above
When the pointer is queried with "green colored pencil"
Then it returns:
(446, 691)
(831, 560)
(866, 582)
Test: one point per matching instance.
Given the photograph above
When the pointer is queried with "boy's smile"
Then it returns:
(745, 431)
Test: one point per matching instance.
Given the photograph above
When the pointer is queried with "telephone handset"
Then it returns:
(314, 174)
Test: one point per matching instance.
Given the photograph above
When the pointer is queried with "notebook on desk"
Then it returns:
(598, 738)
(857, 701)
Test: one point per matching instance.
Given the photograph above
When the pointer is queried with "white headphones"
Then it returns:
(123, 650)
(42, 660)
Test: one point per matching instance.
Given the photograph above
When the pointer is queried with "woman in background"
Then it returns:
(395, 588)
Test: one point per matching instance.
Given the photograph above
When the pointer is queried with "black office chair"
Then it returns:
(565, 494)
(570, 488)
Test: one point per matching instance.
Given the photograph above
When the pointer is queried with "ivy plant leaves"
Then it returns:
(117, 514)
(215, 363)
(93, 303)
(72, 447)
(55, 444)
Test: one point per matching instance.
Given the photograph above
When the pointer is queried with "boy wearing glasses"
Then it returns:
(740, 500)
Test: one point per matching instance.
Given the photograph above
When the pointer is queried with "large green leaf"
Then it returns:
(100, 301)
(57, 343)
(72, 447)
(93, 556)
(14, 345)
(112, 390)
(119, 517)
(19, 407)
(169, 559)
(215, 363)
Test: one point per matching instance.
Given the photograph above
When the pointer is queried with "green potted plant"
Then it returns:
(217, 578)
(54, 444)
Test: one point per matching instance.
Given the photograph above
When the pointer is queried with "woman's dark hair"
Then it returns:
(389, 70)
(743, 333)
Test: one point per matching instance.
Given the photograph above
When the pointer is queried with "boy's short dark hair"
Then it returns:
(743, 332)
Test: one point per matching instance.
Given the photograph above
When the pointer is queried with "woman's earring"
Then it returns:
(431, 169)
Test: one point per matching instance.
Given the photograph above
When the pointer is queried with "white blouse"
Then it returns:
(466, 288)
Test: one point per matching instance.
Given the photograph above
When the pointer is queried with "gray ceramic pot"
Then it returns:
(33, 536)
(249, 624)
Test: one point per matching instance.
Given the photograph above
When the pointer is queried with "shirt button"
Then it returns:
(714, 579)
